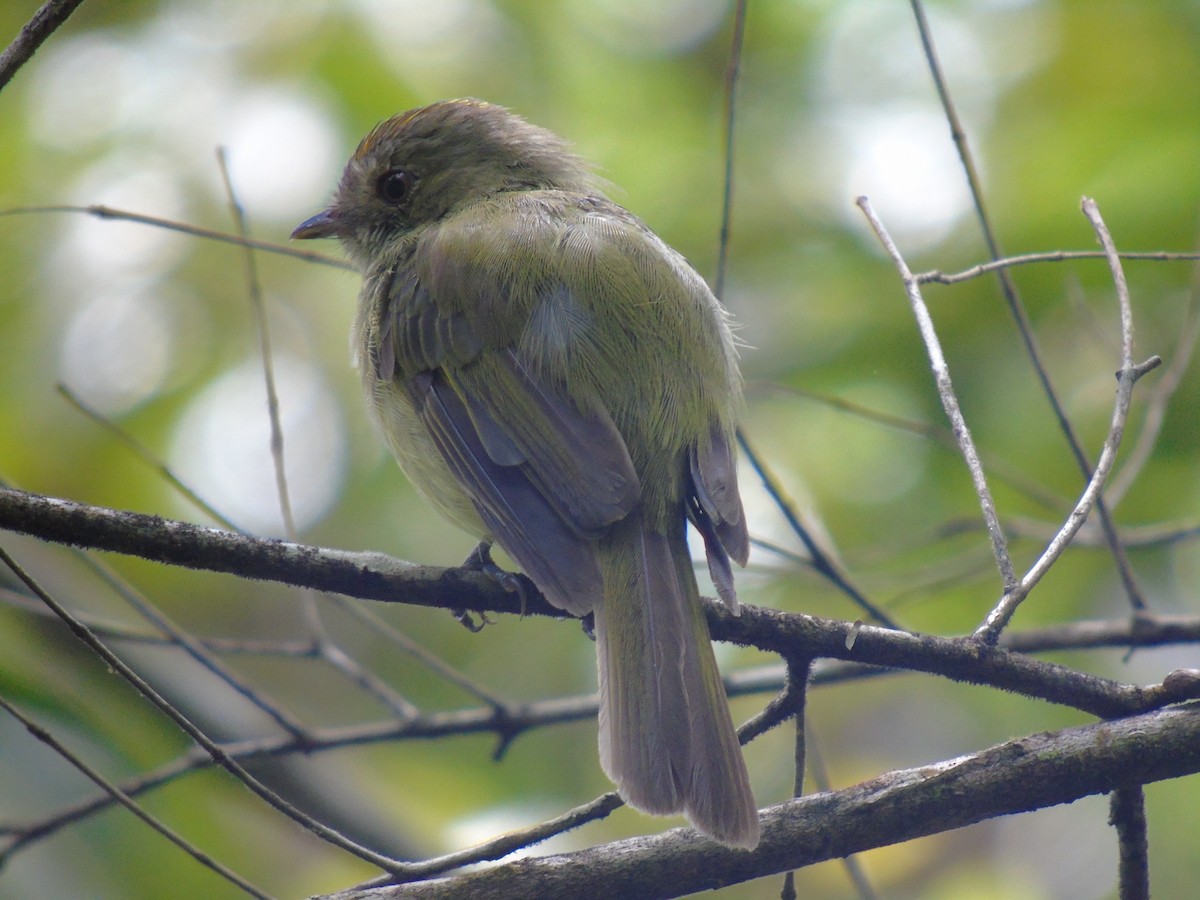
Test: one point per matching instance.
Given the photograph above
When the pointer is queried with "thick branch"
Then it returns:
(1019, 776)
(966, 660)
(43, 24)
(373, 576)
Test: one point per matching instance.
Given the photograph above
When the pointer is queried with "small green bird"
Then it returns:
(554, 377)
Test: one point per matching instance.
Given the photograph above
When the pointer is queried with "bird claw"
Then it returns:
(480, 560)
(467, 621)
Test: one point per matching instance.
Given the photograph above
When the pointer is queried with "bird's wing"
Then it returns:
(527, 522)
(547, 474)
(715, 508)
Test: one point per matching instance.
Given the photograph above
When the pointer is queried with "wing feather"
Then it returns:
(562, 562)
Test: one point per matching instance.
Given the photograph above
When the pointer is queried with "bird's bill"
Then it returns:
(323, 225)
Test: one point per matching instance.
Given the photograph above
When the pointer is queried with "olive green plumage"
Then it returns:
(552, 376)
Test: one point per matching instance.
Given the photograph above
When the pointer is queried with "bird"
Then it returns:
(556, 379)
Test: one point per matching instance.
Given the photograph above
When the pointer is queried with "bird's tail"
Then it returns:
(666, 736)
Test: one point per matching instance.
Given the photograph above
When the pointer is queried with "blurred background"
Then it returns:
(154, 330)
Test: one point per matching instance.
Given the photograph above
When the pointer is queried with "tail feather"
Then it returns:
(666, 736)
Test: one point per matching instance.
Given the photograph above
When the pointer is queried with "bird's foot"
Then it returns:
(480, 560)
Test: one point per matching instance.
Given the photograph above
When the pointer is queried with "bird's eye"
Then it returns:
(395, 186)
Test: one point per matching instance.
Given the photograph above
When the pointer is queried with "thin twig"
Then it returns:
(33, 34)
(1001, 469)
(791, 556)
(1156, 399)
(799, 755)
(218, 754)
(332, 654)
(821, 561)
(939, 655)
(130, 804)
(798, 672)
(427, 727)
(412, 648)
(820, 776)
(194, 648)
(1016, 308)
(781, 708)
(328, 650)
(732, 71)
(945, 388)
(254, 288)
(974, 563)
(1156, 534)
(103, 628)
(198, 650)
(936, 276)
(142, 452)
(101, 211)
(324, 650)
(312, 616)
(1128, 375)
(510, 842)
(1150, 630)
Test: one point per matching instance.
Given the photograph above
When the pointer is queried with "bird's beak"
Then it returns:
(323, 225)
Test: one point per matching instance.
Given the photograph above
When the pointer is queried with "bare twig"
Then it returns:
(130, 804)
(194, 648)
(218, 754)
(1016, 308)
(945, 387)
(254, 288)
(798, 670)
(142, 452)
(502, 846)
(44, 23)
(110, 630)
(1156, 534)
(732, 71)
(1001, 469)
(796, 694)
(967, 661)
(940, 655)
(784, 706)
(1128, 375)
(323, 649)
(1127, 814)
(107, 212)
(1147, 630)
(175, 635)
(1156, 399)
(936, 276)
(821, 561)
(415, 650)
(820, 777)
(505, 722)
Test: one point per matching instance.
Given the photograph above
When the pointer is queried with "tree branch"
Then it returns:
(44, 23)
(1018, 776)
(372, 576)
(375, 576)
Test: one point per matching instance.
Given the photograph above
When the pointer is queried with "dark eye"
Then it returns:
(395, 186)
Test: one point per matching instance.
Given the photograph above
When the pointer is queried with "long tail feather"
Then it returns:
(666, 736)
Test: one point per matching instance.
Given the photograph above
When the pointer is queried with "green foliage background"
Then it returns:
(125, 105)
